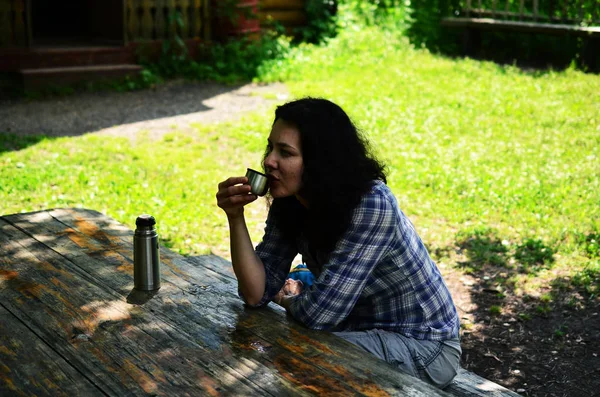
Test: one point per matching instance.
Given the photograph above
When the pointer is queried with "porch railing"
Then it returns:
(13, 23)
(151, 19)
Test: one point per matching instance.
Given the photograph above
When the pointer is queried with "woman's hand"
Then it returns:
(290, 288)
(233, 195)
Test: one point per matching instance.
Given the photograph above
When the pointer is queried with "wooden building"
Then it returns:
(68, 41)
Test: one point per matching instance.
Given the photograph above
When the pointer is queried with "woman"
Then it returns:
(375, 283)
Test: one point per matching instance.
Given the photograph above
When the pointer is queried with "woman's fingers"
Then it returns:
(234, 190)
(234, 201)
(292, 287)
(233, 194)
(234, 180)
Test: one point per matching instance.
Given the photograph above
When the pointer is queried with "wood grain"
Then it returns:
(75, 270)
(45, 374)
(120, 347)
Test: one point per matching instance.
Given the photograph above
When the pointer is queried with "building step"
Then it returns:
(37, 78)
(50, 57)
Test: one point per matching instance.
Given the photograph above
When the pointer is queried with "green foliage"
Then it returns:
(382, 13)
(145, 79)
(321, 21)
(561, 331)
(543, 309)
(242, 59)
(524, 317)
(231, 61)
(425, 29)
(495, 310)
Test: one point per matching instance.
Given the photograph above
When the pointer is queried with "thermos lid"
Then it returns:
(145, 220)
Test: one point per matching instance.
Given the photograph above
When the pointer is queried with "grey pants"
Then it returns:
(435, 362)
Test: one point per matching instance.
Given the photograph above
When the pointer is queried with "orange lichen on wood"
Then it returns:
(298, 337)
(307, 377)
(291, 347)
(8, 274)
(174, 268)
(366, 387)
(208, 384)
(141, 377)
(32, 289)
(85, 227)
(82, 240)
(89, 236)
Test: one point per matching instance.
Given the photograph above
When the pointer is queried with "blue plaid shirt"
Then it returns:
(379, 275)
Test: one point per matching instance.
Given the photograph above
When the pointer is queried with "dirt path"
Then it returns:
(155, 111)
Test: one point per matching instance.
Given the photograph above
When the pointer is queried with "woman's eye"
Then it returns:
(285, 153)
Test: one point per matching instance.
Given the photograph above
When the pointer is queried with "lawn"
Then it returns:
(494, 165)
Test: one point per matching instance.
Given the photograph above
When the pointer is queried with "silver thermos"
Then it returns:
(146, 261)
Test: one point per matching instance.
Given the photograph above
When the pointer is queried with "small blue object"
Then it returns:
(301, 272)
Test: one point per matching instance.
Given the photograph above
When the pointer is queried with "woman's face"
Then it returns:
(284, 163)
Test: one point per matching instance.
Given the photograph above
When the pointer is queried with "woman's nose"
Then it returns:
(269, 162)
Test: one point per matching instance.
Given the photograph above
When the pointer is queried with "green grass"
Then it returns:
(496, 163)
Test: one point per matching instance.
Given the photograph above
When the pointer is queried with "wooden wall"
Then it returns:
(149, 19)
(289, 13)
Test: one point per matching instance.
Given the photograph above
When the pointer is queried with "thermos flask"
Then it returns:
(146, 261)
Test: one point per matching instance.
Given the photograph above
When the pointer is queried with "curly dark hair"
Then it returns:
(338, 170)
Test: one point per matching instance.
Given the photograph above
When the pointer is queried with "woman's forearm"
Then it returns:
(247, 266)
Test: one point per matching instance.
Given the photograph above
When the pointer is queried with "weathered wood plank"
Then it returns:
(204, 333)
(253, 331)
(467, 384)
(121, 348)
(45, 373)
(195, 301)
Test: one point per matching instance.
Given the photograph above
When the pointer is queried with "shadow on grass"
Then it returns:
(534, 54)
(13, 142)
(483, 248)
(542, 343)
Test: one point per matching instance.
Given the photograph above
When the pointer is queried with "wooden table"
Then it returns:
(70, 324)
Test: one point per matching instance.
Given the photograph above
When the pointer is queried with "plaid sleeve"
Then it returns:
(334, 293)
(276, 254)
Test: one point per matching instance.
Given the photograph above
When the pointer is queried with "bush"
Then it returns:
(321, 21)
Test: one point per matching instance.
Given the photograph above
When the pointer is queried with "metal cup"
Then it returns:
(259, 183)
